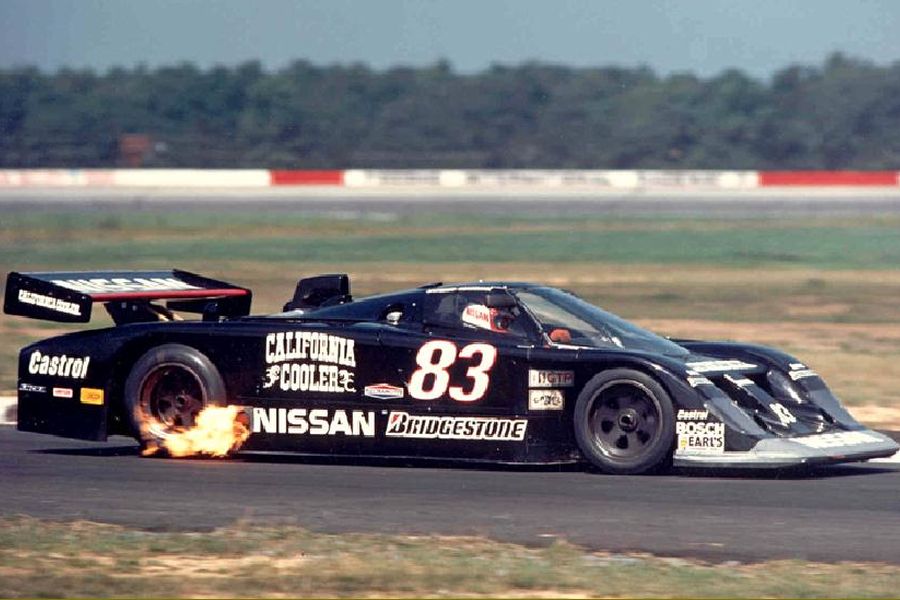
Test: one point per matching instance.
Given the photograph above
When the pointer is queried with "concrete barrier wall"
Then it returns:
(447, 178)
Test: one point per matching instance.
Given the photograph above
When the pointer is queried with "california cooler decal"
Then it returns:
(404, 425)
(309, 361)
(50, 303)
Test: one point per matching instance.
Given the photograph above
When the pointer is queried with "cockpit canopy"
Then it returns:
(513, 312)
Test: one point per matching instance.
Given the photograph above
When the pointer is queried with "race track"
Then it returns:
(844, 513)
(388, 202)
(847, 513)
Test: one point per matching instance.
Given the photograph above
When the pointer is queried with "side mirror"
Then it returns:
(500, 300)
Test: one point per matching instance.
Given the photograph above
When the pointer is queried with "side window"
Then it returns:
(467, 312)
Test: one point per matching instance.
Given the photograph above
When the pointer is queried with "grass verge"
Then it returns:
(39, 558)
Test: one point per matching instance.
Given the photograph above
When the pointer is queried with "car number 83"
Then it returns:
(436, 357)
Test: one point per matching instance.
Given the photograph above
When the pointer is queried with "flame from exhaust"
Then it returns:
(218, 431)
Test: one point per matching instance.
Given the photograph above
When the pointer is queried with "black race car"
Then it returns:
(500, 372)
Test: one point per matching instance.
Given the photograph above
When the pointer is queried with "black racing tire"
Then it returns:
(625, 423)
(166, 389)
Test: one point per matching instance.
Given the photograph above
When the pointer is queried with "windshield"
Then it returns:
(586, 325)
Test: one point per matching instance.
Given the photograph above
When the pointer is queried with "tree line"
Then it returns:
(842, 114)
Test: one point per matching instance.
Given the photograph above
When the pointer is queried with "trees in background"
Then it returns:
(842, 115)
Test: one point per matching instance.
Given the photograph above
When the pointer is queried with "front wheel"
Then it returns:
(166, 390)
(625, 422)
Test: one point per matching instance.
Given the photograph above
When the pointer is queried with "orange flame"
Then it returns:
(218, 431)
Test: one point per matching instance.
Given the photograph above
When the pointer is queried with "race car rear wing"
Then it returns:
(69, 296)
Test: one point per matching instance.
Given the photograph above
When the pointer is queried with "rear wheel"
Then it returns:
(624, 422)
(166, 390)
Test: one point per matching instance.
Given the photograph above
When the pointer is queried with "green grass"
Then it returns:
(758, 245)
(142, 238)
(39, 558)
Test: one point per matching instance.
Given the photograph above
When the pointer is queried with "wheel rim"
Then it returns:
(172, 397)
(624, 420)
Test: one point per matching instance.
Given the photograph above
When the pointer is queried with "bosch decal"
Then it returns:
(700, 437)
(63, 392)
(404, 425)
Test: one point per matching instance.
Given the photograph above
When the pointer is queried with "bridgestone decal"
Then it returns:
(404, 425)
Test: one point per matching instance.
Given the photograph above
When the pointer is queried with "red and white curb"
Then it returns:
(452, 179)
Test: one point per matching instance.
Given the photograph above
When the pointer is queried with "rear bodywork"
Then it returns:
(374, 377)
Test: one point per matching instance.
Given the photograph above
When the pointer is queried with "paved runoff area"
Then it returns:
(840, 513)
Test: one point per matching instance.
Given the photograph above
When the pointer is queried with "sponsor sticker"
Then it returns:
(739, 381)
(699, 437)
(49, 302)
(719, 366)
(835, 440)
(687, 414)
(383, 391)
(477, 315)
(545, 399)
(124, 284)
(73, 367)
(63, 392)
(315, 421)
(698, 380)
(550, 379)
(92, 396)
(404, 425)
(30, 387)
(309, 361)
(802, 374)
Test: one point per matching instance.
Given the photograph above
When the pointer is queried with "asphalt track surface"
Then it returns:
(840, 513)
(387, 203)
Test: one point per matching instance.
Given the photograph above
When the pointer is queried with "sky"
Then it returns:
(703, 37)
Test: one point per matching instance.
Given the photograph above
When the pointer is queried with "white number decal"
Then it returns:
(429, 365)
(435, 357)
(783, 414)
(478, 373)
